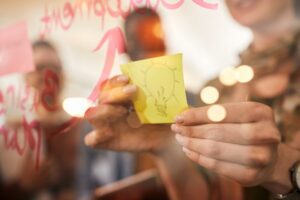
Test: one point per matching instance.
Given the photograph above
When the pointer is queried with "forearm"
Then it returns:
(181, 178)
(279, 182)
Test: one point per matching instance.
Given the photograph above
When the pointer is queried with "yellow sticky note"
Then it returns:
(161, 94)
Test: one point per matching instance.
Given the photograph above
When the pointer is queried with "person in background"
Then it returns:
(246, 145)
(145, 39)
(55, 176)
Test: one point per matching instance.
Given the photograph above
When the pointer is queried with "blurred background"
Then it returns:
(208, 39)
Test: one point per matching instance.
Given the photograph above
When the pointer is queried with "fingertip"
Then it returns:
(179, 119)
(190, 154)
(180, 139)
(122, 79)
(185, 150)
(175, 128)
(130, 89)
(88, 139)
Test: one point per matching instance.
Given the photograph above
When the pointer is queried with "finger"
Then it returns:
(116, 81)
(128, 139)
(240, 112)
(255, 156)
(104, 113)
(247, 176)
(244, 134)
(119, 94)
(95, 138)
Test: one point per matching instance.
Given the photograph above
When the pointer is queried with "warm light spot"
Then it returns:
(216, 113)
(77, 106)
(209, 95)
(227, 76)
(157, 30)
(244, 73)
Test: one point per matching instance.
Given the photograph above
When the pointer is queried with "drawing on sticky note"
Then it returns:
(161, 94)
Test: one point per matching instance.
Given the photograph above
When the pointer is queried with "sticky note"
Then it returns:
(15, 50)
(161, 94)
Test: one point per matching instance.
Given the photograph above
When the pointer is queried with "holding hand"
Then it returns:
(243, 146)
(118, 128)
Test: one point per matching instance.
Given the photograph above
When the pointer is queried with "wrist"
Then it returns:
(279, 182)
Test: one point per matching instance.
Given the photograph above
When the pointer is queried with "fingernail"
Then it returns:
(180, 139)
(185, 150)
(179, 119)
(175, 128)
(122, 79)
(129, 89)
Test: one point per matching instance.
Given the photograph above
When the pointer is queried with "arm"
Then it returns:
(279, 182)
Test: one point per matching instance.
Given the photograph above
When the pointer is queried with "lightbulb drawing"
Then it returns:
(161, 94)
(161, 91)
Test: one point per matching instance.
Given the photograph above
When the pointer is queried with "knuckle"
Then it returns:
(267, 133)
(274, 135)
(257, 110)
(262, 111)
(261, 157)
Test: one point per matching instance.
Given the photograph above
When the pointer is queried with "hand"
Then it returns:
(243, 146)
(116, 128)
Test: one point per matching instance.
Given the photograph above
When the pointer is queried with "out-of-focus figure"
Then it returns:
(54, 178)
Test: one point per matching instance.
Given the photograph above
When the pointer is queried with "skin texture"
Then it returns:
(243, 146)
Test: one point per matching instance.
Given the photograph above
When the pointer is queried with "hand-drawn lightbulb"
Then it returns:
(161, 90)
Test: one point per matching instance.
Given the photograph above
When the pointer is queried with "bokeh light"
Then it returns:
(227, 76)
(216, 113)
(77, 106)
(244, 73)
(209, 95)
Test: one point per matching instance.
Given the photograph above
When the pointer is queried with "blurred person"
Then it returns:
(145, 38)
(144, 34)
(246, 146)
(55, 177)
(60, 148)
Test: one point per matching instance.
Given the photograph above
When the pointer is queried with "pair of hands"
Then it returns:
(243, 146)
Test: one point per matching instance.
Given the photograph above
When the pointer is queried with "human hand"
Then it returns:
(243, 146)
(116, 128)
